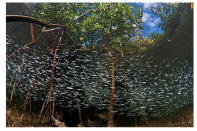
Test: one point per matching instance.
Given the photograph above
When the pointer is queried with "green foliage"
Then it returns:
(154, 36)
(109, 22)
(139, 45)
(170, 14)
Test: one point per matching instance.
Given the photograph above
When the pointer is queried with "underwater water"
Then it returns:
(142, 87)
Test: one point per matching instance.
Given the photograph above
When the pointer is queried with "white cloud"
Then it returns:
(150, 20)
(153, 22)
(157, 20)
(149, 5)
(146, 17)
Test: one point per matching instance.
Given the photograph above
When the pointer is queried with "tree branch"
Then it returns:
(14, 18)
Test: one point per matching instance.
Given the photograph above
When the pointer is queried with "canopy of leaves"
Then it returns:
(108, 22)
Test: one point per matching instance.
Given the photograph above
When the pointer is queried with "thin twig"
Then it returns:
(80, 16)
(21, 48)
(44, 30)
(14, 85)
(18, 50)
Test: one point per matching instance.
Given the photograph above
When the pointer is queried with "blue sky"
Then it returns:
(151, 21)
